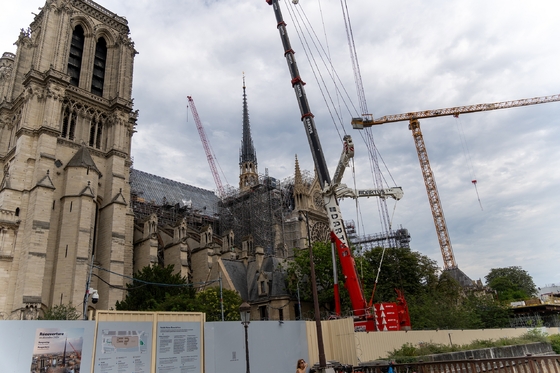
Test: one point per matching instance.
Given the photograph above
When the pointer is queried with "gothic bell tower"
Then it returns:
(248, 174)
(66, 122)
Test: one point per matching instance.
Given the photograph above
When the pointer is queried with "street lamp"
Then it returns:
(320, 345)
(245, 312)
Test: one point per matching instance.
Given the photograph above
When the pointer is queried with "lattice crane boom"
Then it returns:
(359, 123)
(207, 150)
(433, 197)
(431, 189)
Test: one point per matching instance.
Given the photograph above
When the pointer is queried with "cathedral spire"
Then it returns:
(248, 175)
(247, 152)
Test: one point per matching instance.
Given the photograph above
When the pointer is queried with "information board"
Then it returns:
(123, 347)
(178, 347)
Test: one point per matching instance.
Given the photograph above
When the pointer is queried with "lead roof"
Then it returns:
(162, 191)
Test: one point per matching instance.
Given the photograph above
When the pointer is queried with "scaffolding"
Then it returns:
(170, 215)
(171, 201)
(265, 212)
(399, 238)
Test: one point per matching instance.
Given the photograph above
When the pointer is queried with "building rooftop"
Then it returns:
(160, 191)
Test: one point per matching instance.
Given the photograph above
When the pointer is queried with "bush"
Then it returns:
(61, 312)
(554, 340)
(409, 353)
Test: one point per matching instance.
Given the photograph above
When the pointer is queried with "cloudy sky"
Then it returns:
(413, 55)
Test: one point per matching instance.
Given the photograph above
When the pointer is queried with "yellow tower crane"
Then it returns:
(431, 189)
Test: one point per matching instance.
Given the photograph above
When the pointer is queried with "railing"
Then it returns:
(527, 364)
(105, 11)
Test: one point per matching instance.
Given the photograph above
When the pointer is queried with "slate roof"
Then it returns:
(245, 279)
(160, 191)
(276, 279)
(82, 158)
(238, 274)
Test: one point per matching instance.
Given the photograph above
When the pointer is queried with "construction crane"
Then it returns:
(431, 189)
(364, 316)
(209, 154)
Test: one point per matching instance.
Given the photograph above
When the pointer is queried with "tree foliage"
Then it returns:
(408, 352)
(208, 302)
(435, 299)
(155, 286)
(159, 289)
(299, 274)
(61, 312)
(511, 283)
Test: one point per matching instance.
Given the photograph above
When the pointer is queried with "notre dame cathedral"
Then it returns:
(73, 208)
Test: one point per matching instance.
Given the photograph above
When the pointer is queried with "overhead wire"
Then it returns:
(191, 284)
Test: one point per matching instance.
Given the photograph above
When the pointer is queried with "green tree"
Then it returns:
(159, 289)
(299, 275)
(61, 312)
(435, 300)
(511, 283)
(209, 303)
(401, 268)
(156, 286)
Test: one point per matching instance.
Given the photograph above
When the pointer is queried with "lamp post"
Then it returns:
(245, 312)
(88, 289)
(321, 347)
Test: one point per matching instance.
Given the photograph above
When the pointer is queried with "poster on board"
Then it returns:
(178, 347)
(57, 350)
(123, 347)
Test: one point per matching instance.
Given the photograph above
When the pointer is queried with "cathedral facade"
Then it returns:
(66, 122)
(75, 215)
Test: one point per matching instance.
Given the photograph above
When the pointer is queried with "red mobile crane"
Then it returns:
(365, 317)
(206, 145)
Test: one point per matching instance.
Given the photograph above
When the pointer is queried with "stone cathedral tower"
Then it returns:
(248, 174)
(66, 123)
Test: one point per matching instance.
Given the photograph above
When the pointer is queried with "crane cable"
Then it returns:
(297, 14)
(378, 177)
(370, 143)
(467, 154)
(304, 28)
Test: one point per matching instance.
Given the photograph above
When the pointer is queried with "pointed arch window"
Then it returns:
(75, 58)
(95, 132)
(99, 62)
(68, 123)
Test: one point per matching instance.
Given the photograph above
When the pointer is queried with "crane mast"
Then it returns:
(207, 150)
(429, 180)
(433, 197)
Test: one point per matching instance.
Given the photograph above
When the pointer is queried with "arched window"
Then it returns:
(65, 120)
(99, 67)
(76, 52)
(69, 117)
(72, 130)
(95, 132)
(92, 131)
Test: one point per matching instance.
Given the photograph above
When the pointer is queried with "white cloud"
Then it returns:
(413, 55)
